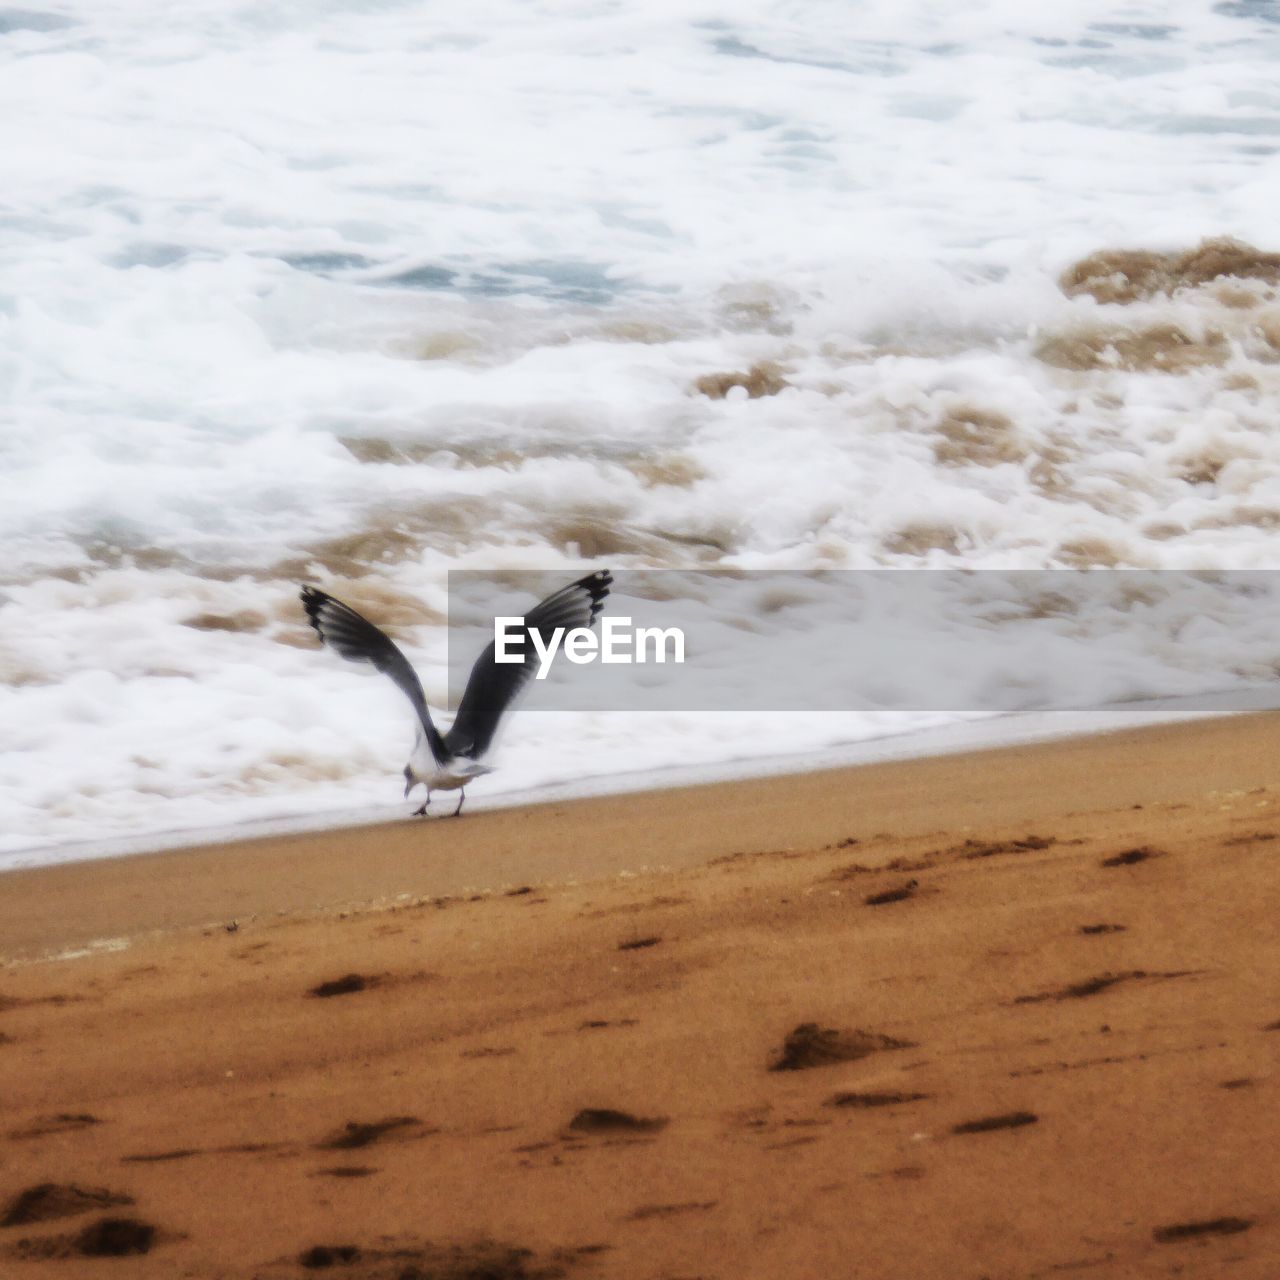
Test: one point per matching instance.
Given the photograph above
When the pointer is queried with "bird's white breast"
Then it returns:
(449, 777)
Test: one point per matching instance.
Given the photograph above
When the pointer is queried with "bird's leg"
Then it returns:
(462, 795)
(422, 812)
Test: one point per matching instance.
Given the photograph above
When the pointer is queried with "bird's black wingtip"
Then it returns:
(313, 600)
(596, 585)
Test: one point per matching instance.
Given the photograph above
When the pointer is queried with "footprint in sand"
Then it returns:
(648, 1211)
(489, 1259)
(900, 894)
(355, 1134)
(51, 1200)
(347, 985)
(810, 1045)
(596, 1120)
(1131, 857)
(63, 1122)
(991, 848)
(864, 1101)
(1103, 982)
(106, 1238)
(639, 944)
(1193, 1230)
(988, 1124)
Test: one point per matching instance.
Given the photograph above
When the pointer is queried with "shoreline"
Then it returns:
(956, 737)
(70, 905)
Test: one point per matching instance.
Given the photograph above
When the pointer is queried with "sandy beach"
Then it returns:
(1014, 1013)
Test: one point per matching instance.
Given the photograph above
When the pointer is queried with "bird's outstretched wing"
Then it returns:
(493, 686)
(358, 640)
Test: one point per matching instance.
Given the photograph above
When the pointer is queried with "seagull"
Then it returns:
(448, 761)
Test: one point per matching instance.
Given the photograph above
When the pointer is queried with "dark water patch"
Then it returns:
(1248, 126)
(30, 20)
(1139, 30)
(426, 276)
(1102, 57)
(1258, 10)
(588, 283)
(153, 254)
(865, 57)
(735, 47)
(325, 264)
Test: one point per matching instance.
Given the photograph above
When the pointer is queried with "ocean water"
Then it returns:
(362, 291)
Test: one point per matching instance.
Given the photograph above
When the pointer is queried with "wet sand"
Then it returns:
(1013, 1013)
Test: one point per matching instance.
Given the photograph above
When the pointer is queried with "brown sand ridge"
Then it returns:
(1125, 275)
(1200, 308)
(1055, 1056)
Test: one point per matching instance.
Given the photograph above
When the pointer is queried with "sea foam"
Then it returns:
(358, 293)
